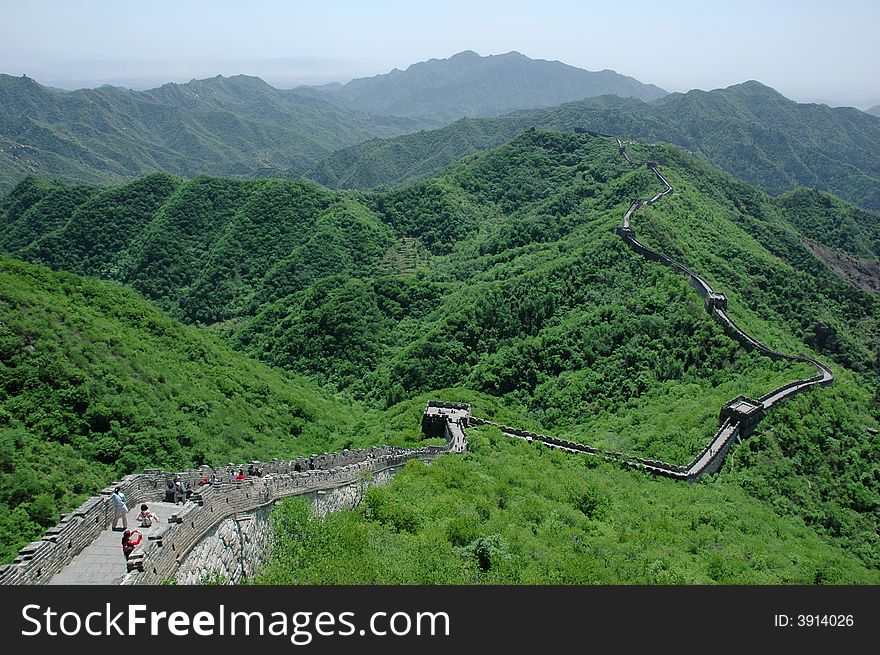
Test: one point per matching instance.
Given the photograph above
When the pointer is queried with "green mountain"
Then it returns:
(238, 126)
(748, 129)
(467, 84)
(502, 280)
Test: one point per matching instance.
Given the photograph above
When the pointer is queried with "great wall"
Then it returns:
(223, 526)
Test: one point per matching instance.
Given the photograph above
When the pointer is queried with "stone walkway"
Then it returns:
(102, 561)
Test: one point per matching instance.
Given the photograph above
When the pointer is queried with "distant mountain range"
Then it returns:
(749, 129)
(367, 133)
(874, 111)
(467, 84)
(241, 126)
(236, 126)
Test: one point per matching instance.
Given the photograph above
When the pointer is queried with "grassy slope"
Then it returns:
(510, 513)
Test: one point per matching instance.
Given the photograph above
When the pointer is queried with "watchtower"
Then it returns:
(745, 411)
(716, 300)
(438, 413)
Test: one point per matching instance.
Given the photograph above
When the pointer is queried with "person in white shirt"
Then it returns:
(120, 509)
(147, 517)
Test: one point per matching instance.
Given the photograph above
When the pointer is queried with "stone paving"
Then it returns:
(102, 561)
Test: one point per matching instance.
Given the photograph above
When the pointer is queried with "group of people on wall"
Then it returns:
(146, 518)
(177, 491)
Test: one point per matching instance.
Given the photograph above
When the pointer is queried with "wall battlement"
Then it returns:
(156, 559)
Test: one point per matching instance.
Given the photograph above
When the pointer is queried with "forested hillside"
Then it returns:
(503, 278)
(237, 126)
(748, 129)
(96, 382)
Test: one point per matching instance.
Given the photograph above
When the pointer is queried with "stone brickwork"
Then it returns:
(237, 548)
(156, 559)
(231, 552)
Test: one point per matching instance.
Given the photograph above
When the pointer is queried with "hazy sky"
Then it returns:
(809, 50)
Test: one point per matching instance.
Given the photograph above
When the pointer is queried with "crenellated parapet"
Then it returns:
(155, 559)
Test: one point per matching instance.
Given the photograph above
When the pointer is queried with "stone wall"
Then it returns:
(237, 548)
(40, 560)
(231, 552)
(157, 560)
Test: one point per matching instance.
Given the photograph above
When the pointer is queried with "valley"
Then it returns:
(519, 298)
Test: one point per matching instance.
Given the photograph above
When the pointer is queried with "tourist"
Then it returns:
(179, 490)
(147, 516)
(129, 541)
(120, 509)
(240, 475)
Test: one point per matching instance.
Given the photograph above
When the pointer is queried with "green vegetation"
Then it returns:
(502, 280)
(237, 126)
(95, 383)
(747, 129)
(511, 513)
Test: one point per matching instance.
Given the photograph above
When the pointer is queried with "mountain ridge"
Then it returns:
(225, 126)
(467, 84)
(502, 281)
(748, 129)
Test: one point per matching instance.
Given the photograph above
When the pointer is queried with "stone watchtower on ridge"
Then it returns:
(447, 420)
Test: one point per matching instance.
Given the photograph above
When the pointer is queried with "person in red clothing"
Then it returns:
(130, 539)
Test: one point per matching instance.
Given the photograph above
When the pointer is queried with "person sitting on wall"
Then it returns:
(147, 516)
(129, 541)
(169, 492)
(240, 475)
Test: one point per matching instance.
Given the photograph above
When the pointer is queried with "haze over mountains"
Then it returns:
(237, 126)
(241, 126)
(467, 84)
(748, 129)
(456, 240)
(336, 134)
